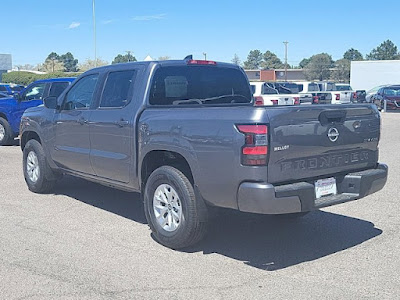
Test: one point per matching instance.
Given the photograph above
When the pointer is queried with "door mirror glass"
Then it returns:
(50, 102)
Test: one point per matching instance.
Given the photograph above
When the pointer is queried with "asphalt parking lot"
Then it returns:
(87, 241)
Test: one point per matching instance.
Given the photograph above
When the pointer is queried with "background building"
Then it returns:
(276, 75)
(5, 63)
(365, 75)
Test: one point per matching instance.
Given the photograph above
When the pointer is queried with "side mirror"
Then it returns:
(17, 96)
(50, 102)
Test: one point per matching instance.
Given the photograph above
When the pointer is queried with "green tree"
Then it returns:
(91, 63)
(319, 67)
(353, 54)
(304, 62)
(236, 60)
(271, 61)
(385, 51)
(53, 56)
(254, 60)
(124, 58)
(166, 57)
(341, 72)
(70, 63)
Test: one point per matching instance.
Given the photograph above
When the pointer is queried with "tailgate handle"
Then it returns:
(332, 116)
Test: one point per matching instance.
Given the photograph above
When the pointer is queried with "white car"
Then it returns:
(372, 92)
(269, 95)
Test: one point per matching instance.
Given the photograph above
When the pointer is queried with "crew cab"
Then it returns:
(11, 109)
(267, 95)
(187, 135)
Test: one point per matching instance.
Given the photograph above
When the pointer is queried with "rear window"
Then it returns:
(313, 87)
(3, 88)
(330, 87)
(292, 87)
(199, 85)
(343, 88)
(268, 90)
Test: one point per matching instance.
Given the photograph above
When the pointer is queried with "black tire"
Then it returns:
(190, 230)
(46, 178)
(292, 216)
(8, 135)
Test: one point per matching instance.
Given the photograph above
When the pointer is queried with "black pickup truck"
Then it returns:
(187, 136)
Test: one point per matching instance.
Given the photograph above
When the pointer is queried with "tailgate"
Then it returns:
(345, 97)
(321, 140)
(285, 99)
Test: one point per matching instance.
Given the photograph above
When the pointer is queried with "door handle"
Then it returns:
(122, 123)
(82, 121)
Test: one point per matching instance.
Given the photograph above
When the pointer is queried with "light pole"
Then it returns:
(205, 55)
(94, 33)
(286, 43)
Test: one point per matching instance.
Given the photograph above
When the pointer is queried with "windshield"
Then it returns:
(199, 85)
(392, 91)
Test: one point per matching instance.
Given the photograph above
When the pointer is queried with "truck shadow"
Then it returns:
(272, 243)
(124, 204)
(264, 242)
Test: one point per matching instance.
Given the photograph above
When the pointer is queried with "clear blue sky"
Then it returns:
(33, 29)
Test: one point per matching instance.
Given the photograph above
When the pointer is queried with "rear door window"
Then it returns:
(117, 89)
(208, 85)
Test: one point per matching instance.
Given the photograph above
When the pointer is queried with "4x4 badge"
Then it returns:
(333, 134)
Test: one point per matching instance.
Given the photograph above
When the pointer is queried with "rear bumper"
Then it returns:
(264, 198)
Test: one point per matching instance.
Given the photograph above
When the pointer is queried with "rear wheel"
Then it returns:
(171, 210)
(5, 132)
(38, 175)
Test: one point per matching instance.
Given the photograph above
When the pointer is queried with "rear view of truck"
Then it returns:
(319, 155)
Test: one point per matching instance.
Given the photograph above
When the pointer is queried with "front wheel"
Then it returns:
(171, 210)
(5, 132)
(38, 175)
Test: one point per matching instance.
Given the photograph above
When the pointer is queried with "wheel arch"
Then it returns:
(157, 158)
(29, 135)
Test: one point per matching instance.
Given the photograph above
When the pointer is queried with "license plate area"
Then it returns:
(325, 187)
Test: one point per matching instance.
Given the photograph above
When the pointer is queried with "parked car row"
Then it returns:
(292, 93)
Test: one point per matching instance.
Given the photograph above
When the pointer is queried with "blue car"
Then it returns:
(10, 89)
(12, 108)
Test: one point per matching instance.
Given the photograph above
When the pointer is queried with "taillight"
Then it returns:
(201, 62)
(255, 149)
(258, 101)
(296, 100)
(315, 99)
(354, 95)
(274, 102)
(337, 96)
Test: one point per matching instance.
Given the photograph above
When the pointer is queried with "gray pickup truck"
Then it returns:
(187, 136)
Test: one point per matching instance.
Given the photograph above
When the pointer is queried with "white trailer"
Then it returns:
(365, 75)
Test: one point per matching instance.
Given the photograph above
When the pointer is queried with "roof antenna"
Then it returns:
(189, 57)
